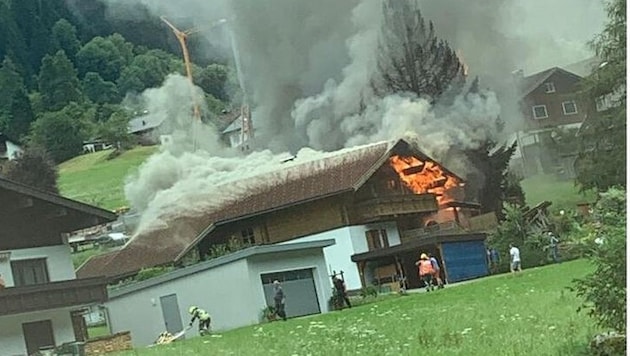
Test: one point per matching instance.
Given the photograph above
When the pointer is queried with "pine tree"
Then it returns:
(58, 82)
(64, 37)
(410, 56)
(16, 113)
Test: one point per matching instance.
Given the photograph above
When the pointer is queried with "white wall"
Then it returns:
(288, 261)
(58, 260)
(12, 339)
(224, 292)
(12, 150)
(349, 240)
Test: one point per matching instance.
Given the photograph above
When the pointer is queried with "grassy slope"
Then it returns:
(94, 179)
(563, 194)
(528, 314)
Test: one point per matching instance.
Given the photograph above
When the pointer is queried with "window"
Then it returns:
(27, 272)
(569, 107)
(376, 239)
(550, 88)
(247, 236)
(540, 111)
(392, 184)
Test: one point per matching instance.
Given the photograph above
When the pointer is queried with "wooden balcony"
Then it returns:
(387, 207)
(15, 300)
(446, 228)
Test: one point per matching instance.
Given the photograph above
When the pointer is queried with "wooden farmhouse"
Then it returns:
(382, 204)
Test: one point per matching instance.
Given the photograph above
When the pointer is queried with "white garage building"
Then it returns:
(234, 289)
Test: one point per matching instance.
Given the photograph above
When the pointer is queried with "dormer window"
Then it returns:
(550, 88)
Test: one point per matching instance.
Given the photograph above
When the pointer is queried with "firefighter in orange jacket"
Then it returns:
(426, 271)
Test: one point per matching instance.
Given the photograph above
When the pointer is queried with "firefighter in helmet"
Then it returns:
(204, 319)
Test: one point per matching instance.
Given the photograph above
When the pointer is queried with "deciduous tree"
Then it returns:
(34, 167)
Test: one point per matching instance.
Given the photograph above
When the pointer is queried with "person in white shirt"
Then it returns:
(515, 259)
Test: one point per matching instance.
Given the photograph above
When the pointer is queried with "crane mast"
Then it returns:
(182, 37)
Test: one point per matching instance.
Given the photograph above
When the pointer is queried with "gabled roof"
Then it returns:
(529, 83)
(56, 199)
(145, 122)
(343, 172)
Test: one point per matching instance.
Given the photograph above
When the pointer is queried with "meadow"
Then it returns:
(528, 314)
(93, 178)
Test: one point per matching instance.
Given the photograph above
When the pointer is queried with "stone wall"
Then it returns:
(101, 345)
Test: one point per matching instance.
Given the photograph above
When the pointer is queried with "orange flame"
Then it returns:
(423, 177)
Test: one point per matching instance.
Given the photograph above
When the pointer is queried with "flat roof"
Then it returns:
(416, 244)
(215, 262)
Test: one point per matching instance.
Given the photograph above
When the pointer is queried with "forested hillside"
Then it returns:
(67, 66)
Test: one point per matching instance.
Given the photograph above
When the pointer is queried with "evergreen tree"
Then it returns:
(16, 113)
(64, 37)
(410, 57)
(58, 82)
(104, 56)
(601, 163)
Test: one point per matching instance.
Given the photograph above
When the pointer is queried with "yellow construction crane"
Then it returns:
(182, 37)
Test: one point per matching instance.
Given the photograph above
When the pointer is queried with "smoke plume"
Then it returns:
(306, 67)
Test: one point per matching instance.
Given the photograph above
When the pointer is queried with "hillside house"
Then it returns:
(9, 149)
(549, 101)
(43, 301)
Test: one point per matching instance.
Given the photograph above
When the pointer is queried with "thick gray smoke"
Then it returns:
(307, 65)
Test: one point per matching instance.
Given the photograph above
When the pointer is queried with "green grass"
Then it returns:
(96, 331)
(93, 179)
(528, 314)
(563, 194)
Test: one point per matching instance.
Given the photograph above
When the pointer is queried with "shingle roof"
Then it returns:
(529, 83)
(94, 265)
(303, 182)
(309, 181)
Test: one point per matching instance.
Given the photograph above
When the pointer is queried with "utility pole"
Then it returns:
(182, 37)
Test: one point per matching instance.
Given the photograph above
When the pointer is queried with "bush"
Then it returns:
(369, 291)
(604, 290)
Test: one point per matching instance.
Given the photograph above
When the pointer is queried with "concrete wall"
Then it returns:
(349, 240)
(223, 291)
(12, 339)
(58, 260)
(311, 259)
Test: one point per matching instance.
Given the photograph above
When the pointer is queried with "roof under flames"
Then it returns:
(338, 173)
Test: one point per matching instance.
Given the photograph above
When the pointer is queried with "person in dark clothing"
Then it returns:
(279, 299)
(342, 293)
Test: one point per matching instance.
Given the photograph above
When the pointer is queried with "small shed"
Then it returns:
(462, 256)
(234, 289)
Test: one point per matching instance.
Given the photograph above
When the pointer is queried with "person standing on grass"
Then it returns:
(436, 268)
(553, 246)
(341, 291)
(426, 271)
(515, 259)
(279, 299)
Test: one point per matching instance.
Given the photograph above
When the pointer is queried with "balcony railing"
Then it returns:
(449, 227)
(395, 205)
(14, 300)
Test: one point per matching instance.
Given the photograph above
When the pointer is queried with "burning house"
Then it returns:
(381, 204)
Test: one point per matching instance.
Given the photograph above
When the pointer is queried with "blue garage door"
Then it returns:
(464, 260)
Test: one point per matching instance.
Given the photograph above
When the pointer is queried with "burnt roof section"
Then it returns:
(310, 181)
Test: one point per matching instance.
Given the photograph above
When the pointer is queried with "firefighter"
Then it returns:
(204, 319)
(426, 271)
